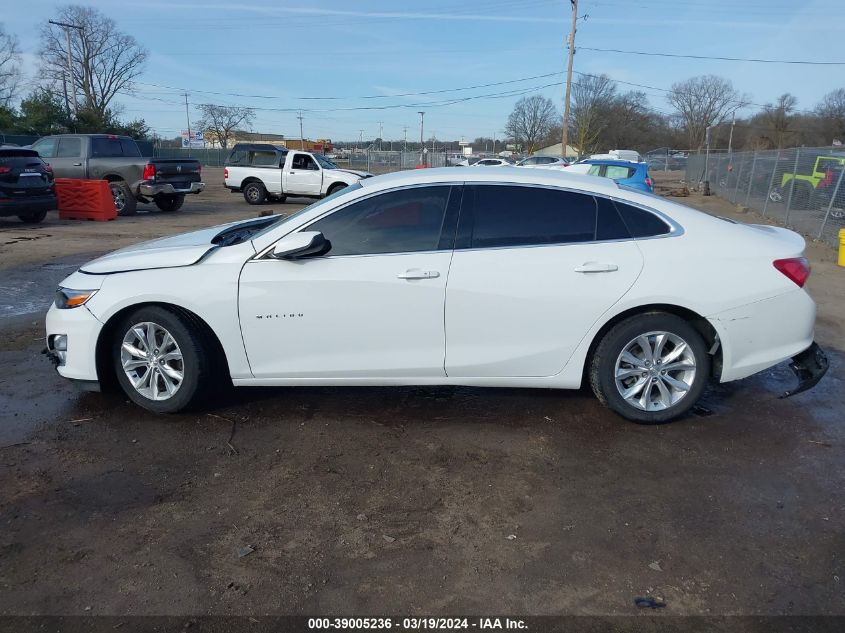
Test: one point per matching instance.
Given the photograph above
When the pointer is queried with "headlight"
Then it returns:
(67, 298)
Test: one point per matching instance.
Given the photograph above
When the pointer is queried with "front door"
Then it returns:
(68, 159)
(303, 176)
(533, 270)
(372, 307)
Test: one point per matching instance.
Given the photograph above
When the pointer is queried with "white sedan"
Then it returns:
(543, 162)
(496, 278)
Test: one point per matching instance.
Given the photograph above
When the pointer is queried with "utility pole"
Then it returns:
(301, 138)
(405, 142)
(422, 142)
(565, 133)
(380, 132)
(493, 151)
(360, 137)
(731, 135)
(188, 119)
(67, 27)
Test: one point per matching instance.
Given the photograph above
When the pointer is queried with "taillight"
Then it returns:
(4, 169)
(796, 268)
(648, 182)
(48, 167)
(149, 171)
(225, 172)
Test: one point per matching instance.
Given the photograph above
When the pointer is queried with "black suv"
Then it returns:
(27, 189)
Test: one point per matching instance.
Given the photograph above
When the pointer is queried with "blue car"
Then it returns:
(624, 172)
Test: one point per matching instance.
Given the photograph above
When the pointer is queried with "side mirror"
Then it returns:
(299, 245)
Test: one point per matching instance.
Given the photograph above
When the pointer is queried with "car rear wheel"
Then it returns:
(650, 368)
(255, 193)
(33, 218)
(124, 201)
(162, 360)
(170, 203)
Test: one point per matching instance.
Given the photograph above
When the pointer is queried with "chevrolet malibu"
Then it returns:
(492, 278)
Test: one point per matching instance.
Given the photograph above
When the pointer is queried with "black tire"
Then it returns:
(602, 371)
(336, 187)
(197, 359)
(255, 193)
(124, 199)
(169, 203)
(33, 218)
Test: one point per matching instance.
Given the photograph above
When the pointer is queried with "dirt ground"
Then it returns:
(404, 500)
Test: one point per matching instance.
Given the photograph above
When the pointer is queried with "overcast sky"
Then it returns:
(280, 51)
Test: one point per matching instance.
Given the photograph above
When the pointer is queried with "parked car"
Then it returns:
(261, 171)
(542, 162)
(494, 162)
(624, 172)
(619, 154)
(117, 159)
(421, 278)
(26, 185)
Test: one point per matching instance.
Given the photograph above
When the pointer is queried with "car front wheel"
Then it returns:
(650, 368)
(161, 359)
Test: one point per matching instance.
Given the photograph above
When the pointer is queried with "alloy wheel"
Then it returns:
(119, 197)
(655, 371)
(152, 361)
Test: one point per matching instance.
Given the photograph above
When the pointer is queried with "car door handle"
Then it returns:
(596, 267)
(77, 164)
(415, 273)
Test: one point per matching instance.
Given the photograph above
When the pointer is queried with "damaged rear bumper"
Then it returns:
(809, 367)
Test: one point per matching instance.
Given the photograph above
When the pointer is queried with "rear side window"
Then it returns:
(403, 221)
(106, 147)
(238, 157)
(594, 170)
(617, 172)
(129, 147)
(503, 215)
(641, 223)
(264, 159)
(69, 148)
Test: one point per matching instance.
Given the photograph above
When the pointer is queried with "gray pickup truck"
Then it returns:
(117, 159)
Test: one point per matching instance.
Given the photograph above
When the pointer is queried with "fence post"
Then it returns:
(751, 179)
(792, 185)
(771, 183)
(830, 204)
(738, 178)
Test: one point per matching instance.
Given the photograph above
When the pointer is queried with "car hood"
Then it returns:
(184, 249)
(354, 172)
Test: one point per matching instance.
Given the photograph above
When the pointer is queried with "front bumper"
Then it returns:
(25, 205)
(82, 330)
(151, 190)
(809, 366)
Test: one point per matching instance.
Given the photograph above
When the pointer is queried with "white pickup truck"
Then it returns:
(261, 172)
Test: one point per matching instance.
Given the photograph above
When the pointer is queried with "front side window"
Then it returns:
(304, 161)
(531, 161)
(46, 147)
(594, 170)
(504, 215)
(404, 221)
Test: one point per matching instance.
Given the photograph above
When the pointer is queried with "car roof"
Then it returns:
(621, 162)
(505, 175)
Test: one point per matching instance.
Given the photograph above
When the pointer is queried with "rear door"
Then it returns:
(533, 270)
(302, 175)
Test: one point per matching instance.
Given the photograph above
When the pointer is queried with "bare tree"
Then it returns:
(831, 111)
(531, 120)
(10, 67)
(592, 97)
(220, 121)
(778, 117)
(104, 61)
(701, 102)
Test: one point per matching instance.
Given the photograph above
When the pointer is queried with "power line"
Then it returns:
(727, 59)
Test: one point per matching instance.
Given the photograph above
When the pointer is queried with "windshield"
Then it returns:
(325, 163)
(286, 218)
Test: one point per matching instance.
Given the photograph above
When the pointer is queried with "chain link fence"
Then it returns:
(802, 187)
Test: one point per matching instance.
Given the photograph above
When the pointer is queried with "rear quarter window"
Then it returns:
(641, 223)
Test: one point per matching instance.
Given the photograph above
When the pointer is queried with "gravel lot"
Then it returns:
(404, 500)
